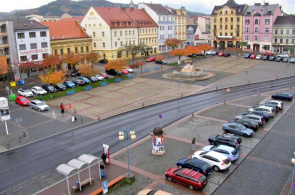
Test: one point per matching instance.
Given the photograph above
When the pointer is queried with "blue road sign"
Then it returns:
(257, 90)
(249, 94)
(293, 185)
(105, 187)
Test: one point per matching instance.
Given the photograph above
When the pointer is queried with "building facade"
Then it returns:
(226, 25)
(190, 34)
(7, 43)
(258, 25)
(68, 37)
(201, 37)
(165, 20)
(283, 40)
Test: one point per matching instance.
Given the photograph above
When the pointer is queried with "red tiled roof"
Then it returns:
(64, 30)
(141, 18)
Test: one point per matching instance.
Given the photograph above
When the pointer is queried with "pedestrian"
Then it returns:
(102, 166)
(62, 108)
(194, 144)
(104, 157)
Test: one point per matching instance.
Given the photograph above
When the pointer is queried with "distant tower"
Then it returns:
(131, 4)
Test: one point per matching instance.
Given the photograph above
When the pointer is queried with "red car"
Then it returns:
(221, 53)
(104, 75)
(22, 100)
(151, 59)
(187, 177)
(124, 72)
(253, 56)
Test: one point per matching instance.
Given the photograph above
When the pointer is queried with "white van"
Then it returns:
(266, 109)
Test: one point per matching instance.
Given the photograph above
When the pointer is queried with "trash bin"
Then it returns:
(12, 97)
(21, 82)
(13, 84)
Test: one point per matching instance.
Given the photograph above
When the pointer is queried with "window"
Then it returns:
(55, 51)
(225, 33)
(93, 34)
(33, 45)
(87, 49)
(121, 43)
(267, 21)
(226, 12)
(256, 29)
(225, 27)
(266, 38)
(102, 33)
(247, 38)
(293, 40)
(125, 32)
(133, 32)
(247, 30)
(103, 44)
(119, 54)
(220, 27)
(133, 42)
(220, 20)
(220, 34)
(281, 40)
(94, 44)
(276, 40)
(266, 47)
(32, 34)
(23, 58)
(214, 20)
(115, 44)
(69, 50)
(115, 33)
(44, 44)
(266, 29)
(43, 34)
(129, 42)
(220, 12)
(256, 21)
(34, 57)
(238, 19)
(293, 32)
(225, 19)
(287, 40)
(20, 35)
(276, 32)
(61, 52)
(76, 49)
(282, 31)
(129, 32)
(287, 32)
(255, 38)
(247, 21)
(121, 33)
(82, 49)
(22, 47)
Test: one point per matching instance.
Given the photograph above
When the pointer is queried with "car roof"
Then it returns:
(197, 161)
(224, 147)
(254, 115)
(37, 101)
(216, 154)
(36, 87)
(266, 107)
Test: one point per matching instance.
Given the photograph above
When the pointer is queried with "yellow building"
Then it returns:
(67, 37)
(226, 25)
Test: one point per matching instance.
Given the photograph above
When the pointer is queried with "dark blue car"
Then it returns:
(195, 164)
(282, 96)
(265, 115)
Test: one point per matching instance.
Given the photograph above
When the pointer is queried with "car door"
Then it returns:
(34, 105)
(179, 178)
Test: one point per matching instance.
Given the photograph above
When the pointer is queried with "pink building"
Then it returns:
(257, 26)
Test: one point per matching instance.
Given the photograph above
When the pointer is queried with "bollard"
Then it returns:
(181, 95)
(81, 120)
(143, 104)
(75, 111)
(98, 117)
(216, 87)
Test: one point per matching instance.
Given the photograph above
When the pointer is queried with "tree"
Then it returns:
(117, 65)
(139, 64)
(145, 49)
(205, 47)
(172, 43)
(243, 44)
(92, 57)
(221, 45)
(73, 59)
(52, 61)
(133, 50)
(160, 58)
(178, 52)
(26, 67)
(88, 70)
(53, 77)
(191, 50)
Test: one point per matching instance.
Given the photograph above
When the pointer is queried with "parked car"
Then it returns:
(49, 88)
(86, 81)
(279, 104)
(75, 73)
(124, 72)
(247, 55)
(97, 77)
(104, 75)
(285, 60)
(271, 58)
(269, 110)
(230, 152)
(266, 115)
(195, 164)
(186, 177)
(210, 52)
(78, 82)
(275, 107)
(283, 55)
(225, 139)
(130, 70)
(25, 92)
(103, 61)
(69, 84)
(160, 62)
(221, 53)
(226, 54)
(38, 90)
(278, 59)
(264, 57)
(93, 78)
(258, 57)
(259, 119)
(217, 161)
(253, 56)
(60, 87)
(39, 105)
(292, 60)
(282, 96)
(113, 72)
(193, 55)
(238, 129)
(151, 59)
(251, 124)
(21, 100)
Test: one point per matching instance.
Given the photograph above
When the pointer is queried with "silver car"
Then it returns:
(38, 105)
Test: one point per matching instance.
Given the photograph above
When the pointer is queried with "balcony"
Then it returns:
(3, 34)
(4, 45)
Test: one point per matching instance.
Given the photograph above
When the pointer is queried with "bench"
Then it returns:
(130, 77)
(110, 184)
(71, 92)
(84, 183)
(117, 80)
(157, 67)
(146, 70)
(103, 83)
(87, 87)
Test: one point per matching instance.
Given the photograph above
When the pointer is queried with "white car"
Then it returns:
(292, 60)
(283, 55)
(216, 160)
(266, 109)
(38, 90)
(130, 70)
(210, 52)
(280, 104)
(38, 105)
(25, 92)
(258, 57)
(99, 77)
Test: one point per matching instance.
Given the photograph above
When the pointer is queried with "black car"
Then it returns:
(259, 113)
(282, 96)
(225, 139)
(278, 59)
(194, 55)
(49, 88)
(195, 164)
(78, 82)
(226, 54)
(103, 61)
(113, 72)
(271, 58)
(61, 87)
(160, 62)
(247, 55)
(75, 73)
(251, 124)
(285, 60)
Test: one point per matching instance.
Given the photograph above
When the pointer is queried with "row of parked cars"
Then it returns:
(270, 57)
(224, 149)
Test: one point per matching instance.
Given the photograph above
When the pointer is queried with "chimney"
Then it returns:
(257, 4)
(266, 3)
(123, 8)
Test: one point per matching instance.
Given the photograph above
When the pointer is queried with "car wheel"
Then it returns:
(216, 168)
(169, 178)
(39, 109)
(190, 187)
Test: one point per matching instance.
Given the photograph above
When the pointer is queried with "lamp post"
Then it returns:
(293, 162)
(124, 134)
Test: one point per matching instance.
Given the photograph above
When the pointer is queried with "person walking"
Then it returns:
(194, 144)
(102, 166)
(62, 108)
(104, 157)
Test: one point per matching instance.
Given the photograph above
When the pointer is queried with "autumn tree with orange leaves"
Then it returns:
(205, 47)
(53, 77)
(172, 43)
(117, 65)
(178, 52)
(92, 57)
(192, 50)
(26, 67)
(73, 59)
(88, 70)
(52, 61)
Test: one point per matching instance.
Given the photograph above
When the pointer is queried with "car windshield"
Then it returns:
(23, 99)
(27, 91)
(206, 166)
(69, 82)
(50, 87)
(40, 89)
(202, 178)
(60, 85)
(178, 170)
(241, 127)
(41, 104)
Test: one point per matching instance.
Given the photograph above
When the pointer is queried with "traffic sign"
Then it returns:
(293, 185)
(160, 116)
(228, 90)
(105, 187)
(235, 105)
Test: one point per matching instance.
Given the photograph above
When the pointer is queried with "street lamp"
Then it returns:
(293, 162)
(124, 134)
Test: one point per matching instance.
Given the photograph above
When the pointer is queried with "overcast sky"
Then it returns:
(204, 6)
